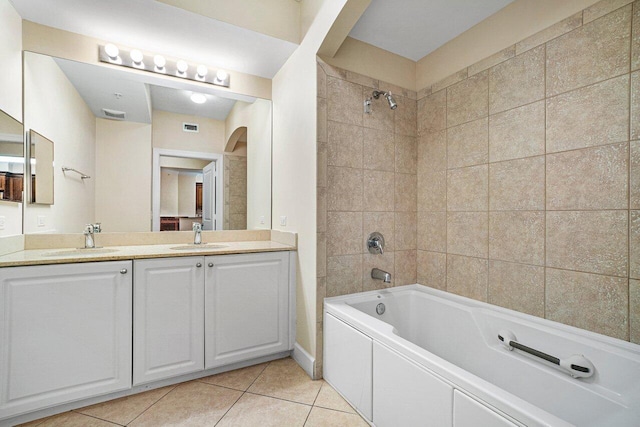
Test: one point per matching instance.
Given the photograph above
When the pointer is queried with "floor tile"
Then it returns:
(189, 404)
(254, 410)
(330, 399)
(239, 379)
(72, 419)
(126, 409)
(321, 417)
(284, 379)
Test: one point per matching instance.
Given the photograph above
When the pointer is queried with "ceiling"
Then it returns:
(415, 28)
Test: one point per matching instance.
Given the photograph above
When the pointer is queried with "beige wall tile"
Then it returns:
(379, 149)
(432, 191)
(593, 115)
(321, 255)
(517, 287)
(432, 112)
(467, 233)
(378, 190)
(322, 119)
(562, 27)
(383, 223)
(432, 151)
(467, 100)
(332, 71)
(344, 192)
(345, 145)
(634, 310)
(467, 189)
(362, 80)
(517, 237)
(432, 231)
(635, 43)
(598, 50)
(381, 116)
(634, 175)
(384, 262)
(432, 269)
(590, 241)
(406, 154)
(322, 82)
(405, 268)
(517, 81)
(321, 294)
(399, 91)
(492, 60)
(517, 184)
(589, 301)
(449, 80)
(634, 244)
(591, 178)
(344, 233)
(467, 276)
(322, 209)
(635, 103)
(405, 118)
(344, 275)
(405, 231)
(517, 133)
(406, 192)
(424, 92)
(322, 164)
(344, 101)
(602, 8)
(468, 144)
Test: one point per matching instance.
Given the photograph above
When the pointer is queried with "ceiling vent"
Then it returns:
(190, 127)
(114, 114)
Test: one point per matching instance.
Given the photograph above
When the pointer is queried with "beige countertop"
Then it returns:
(116, 253)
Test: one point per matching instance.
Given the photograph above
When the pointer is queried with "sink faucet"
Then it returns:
(197, 237)
(376, 273)
(89, 239)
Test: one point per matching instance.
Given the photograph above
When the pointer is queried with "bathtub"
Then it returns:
(434, 359)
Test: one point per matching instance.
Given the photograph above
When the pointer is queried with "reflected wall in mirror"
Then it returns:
(11, 175)
(41, 168)
(106, 122)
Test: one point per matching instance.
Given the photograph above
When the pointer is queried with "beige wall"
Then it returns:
(259, 165)
(528, 176)
(54, 109)
(187, 194)
(123, 175)
(169, 193)
(168, 133)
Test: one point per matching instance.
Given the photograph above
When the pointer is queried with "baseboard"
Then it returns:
(304, 359)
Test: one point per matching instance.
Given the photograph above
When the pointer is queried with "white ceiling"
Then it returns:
(414, 28)
(179, 101)
(160, 28)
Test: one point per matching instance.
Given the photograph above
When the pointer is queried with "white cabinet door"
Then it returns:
(347, 363)
(405, 394)
(65, 333)
(247, 307)
(168, 326)
(470, 413)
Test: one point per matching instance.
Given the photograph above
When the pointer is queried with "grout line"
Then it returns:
(156, 402)
(230, 408)
(97, 418)
(544, 260)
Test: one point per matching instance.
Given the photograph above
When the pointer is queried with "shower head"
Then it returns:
(392, 102)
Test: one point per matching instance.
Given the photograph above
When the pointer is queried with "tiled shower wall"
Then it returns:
(529, 175)
(367, 173)
(235, 192)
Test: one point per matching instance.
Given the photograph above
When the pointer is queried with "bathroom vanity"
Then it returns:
(89, 326)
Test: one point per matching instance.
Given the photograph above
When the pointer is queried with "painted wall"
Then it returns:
(54, 109)
(169, 193)
(123, 175)
(168, 133)
(259, 165)
(186, 194)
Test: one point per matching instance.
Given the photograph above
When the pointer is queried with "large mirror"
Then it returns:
(12, 171)
(134, 152)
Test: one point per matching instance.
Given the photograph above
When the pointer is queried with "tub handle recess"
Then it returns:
(575, 365)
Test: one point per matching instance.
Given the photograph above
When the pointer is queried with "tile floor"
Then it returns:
(277, 393)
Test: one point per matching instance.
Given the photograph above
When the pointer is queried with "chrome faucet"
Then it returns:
(197, 237)
(89, 235)
(378, 274)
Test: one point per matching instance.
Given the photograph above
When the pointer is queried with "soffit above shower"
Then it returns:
(415, 28)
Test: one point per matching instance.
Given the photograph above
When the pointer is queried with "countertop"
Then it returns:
(117, 253)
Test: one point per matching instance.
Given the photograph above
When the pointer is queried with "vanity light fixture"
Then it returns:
(134, 58)
(198, 98)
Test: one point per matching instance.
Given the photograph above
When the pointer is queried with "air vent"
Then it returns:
(114, 114)
(190, 127)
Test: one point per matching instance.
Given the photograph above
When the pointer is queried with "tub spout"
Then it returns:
(378, 274)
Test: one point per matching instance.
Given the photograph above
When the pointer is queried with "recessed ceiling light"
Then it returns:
(198, 98)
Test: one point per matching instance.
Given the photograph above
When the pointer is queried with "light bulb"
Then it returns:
(198, 98)
(159, 61)
(112, 51)
(202, 71)
(136, 56)
(221, 75)
(182, 66)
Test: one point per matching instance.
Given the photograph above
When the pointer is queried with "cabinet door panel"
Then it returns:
(247, 307)
(65, 332)
(470, 413)
(169, 318)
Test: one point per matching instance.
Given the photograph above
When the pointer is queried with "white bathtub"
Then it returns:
(434, 359)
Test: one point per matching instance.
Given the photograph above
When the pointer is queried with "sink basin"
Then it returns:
(203, 246)
(81, 251)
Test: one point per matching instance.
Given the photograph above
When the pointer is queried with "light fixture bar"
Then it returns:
(152, 63)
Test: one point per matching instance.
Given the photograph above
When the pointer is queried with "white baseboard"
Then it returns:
(304, 359)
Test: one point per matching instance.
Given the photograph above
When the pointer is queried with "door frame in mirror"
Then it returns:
(155, 181)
